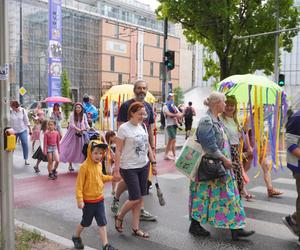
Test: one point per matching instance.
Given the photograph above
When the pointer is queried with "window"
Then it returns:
(112, 63)
(157, 41)
(117, 30)
(151, 69)
(119, 79)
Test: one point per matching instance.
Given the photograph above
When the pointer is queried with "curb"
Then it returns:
(50, 236)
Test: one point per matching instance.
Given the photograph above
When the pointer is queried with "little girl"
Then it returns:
(38, 154)
(51, 149)
(35, 136)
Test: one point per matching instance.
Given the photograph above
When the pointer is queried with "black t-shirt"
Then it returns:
(293, 124)
(123, 112)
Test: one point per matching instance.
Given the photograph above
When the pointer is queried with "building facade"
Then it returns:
(104, 43)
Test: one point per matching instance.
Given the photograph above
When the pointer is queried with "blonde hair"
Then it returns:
(214, 98)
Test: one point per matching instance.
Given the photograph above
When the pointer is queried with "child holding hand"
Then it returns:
(89, 193)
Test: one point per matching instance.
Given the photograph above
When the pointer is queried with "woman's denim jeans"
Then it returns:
(24, 140)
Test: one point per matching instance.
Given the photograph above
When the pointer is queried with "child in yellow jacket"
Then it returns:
(89, 193)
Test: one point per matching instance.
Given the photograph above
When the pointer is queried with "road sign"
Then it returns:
(22, 91)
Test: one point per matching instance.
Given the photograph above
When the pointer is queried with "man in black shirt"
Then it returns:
(140, 90)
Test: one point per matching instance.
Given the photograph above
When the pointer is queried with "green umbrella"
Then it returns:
(238, 86)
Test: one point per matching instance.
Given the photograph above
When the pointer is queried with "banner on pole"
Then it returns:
(55, 48)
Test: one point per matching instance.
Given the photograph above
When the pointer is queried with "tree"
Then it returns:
(66, 92)
(216, 23)
(178, 96)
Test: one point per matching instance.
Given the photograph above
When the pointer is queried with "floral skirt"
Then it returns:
(217, 202)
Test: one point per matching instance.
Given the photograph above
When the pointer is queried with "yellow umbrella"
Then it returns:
(125, 91)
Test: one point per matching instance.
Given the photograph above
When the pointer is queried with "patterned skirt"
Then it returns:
(217, 202)
(237, 168)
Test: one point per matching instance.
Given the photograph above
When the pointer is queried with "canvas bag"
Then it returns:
(189, 158)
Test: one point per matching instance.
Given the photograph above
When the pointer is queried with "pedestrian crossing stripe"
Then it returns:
(172, 176)
(286, 192)
(285, 181)
(270, 206)
(270, 229)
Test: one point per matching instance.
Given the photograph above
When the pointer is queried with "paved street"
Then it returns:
(51, 206)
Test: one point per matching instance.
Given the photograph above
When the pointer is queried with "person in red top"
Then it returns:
(51, 149)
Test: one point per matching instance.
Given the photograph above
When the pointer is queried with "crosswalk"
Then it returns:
(273, 209)
(264, 215)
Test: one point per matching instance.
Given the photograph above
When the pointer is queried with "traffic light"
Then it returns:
(281, 80)
(170, 59)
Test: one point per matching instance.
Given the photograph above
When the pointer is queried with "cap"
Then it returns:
(171, 94)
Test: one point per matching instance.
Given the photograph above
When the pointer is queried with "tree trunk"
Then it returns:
(224, 69)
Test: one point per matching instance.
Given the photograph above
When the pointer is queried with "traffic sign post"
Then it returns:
(7, 209)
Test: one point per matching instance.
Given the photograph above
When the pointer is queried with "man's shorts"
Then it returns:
(136, 180)
(172, 131)
(92, 210)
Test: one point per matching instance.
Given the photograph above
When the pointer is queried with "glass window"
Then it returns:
(158, 41)
(151, 69)
(117, 30)
(119, 78)
(112, 63)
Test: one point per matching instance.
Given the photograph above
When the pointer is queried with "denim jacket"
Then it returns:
(210, 135)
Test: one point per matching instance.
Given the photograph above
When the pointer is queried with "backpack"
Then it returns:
(188, 114)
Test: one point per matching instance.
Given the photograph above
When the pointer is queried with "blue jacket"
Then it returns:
(293, 142)
(90, 108)
(210, 136)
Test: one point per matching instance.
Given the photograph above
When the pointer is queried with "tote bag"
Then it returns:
(189, 158)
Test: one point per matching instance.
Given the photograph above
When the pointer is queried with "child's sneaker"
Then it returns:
(36, 169)
(77, 242)
(51, 176)
(109, 247)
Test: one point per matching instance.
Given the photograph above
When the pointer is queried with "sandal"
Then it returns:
(36, 169)
(71, 169)
(119, 222)
(273, 192)
(140, 233)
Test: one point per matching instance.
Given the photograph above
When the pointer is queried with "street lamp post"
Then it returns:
(42, 55)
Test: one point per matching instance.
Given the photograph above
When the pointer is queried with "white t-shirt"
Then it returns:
(19, 120)
(232, 130)
(135, 149)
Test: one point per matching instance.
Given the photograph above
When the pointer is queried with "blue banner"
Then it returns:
(55, 48)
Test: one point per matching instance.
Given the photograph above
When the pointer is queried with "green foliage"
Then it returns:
(66, 92)
(216, 24)
(178, 96)
(25, 238)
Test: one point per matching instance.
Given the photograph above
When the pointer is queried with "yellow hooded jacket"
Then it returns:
(90, 180)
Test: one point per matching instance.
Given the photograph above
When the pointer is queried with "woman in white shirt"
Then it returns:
(233, 130)
(131, 160)
(19, 122)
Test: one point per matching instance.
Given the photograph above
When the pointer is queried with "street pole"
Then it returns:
(165, 69)
(21, 53)
(7, 209)
(276, 63)
(40, 78)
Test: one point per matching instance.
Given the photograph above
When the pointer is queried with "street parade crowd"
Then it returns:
(126, 157)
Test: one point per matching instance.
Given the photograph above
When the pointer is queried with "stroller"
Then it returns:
(89, 135)
(92, 135)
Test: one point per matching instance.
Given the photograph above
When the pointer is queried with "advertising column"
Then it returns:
(55, 49)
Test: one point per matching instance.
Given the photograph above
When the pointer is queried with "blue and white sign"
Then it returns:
(55, 48)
